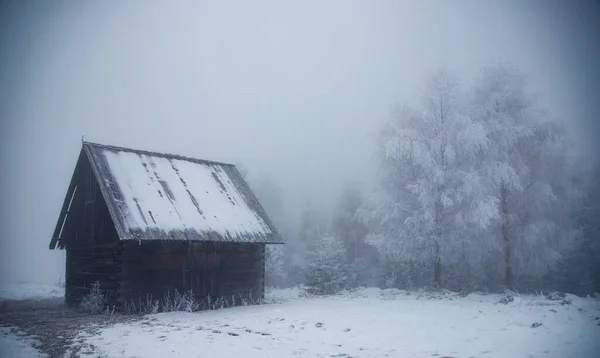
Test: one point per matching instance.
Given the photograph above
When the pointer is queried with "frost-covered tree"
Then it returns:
(428, 190)
(481, 181)
(296, 250)
(526, 173)
(362, 257)
(346, 224)
(326, 269)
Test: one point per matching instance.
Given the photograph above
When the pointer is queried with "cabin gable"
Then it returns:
(84, 217)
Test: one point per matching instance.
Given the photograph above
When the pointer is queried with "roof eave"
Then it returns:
(123, 234)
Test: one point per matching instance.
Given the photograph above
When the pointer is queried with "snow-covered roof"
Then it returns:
(154, 196)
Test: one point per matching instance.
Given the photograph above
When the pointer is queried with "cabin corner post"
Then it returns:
(264, 263)
(118, 301)
(67, 278)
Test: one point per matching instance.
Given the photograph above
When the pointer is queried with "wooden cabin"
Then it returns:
(145, 224)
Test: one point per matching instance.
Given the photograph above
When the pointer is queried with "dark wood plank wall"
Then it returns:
(87, 264)
(242, 271)
(151, 269)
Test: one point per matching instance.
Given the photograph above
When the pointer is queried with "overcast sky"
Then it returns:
(294, 90)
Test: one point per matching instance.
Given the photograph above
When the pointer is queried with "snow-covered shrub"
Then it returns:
(180, 302)
(390, 280)
(559, 296)
(95, 301)
(109, 310)
(327, 266)
(147, 305)
(555, 296)
(152, 305)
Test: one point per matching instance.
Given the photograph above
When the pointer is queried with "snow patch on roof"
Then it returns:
(176, 195)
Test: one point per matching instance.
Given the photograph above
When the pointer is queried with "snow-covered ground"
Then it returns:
(26, 290)
(366, 323)
(15, 345)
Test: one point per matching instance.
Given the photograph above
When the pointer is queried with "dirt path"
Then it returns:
(53, 324)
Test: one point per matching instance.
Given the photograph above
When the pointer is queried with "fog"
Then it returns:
(293, 91)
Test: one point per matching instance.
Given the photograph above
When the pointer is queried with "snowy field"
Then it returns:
(28, 290)
(366, 323)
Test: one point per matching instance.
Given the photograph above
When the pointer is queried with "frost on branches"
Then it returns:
(326, 271)
(479, 181)
(427, 198)
(526, 169)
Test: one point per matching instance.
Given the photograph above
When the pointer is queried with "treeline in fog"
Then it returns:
(478, 188)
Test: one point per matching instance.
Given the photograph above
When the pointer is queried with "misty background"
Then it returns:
(294, 92)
